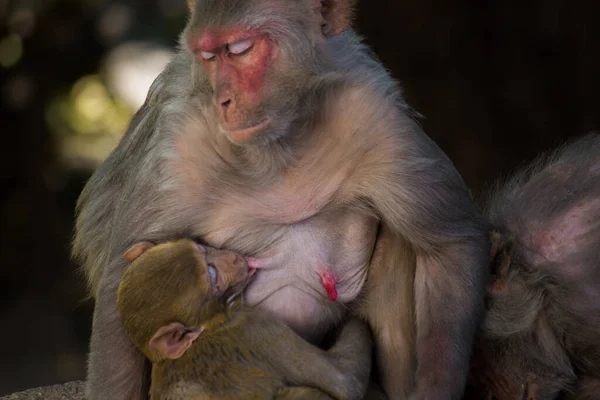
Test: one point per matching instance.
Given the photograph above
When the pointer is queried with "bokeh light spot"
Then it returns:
(11, 50)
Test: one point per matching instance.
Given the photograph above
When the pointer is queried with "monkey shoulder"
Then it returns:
(173, 81)
(354, 109)
(173, 103)
(376, 128)
(376, 137)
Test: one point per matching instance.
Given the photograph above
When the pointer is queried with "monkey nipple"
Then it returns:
(329, 283)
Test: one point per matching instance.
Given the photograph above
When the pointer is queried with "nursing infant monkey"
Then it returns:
(275, 133)
(204, 344)
(540, 338)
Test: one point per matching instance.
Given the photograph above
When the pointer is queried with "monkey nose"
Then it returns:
(224, 104)
(222, 101)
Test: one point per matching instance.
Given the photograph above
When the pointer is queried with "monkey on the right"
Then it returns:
(541, 335)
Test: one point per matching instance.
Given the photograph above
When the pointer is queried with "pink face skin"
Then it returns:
(237, 61)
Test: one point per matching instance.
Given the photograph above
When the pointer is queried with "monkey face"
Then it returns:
(238, 59)
(213, 274)
(228, 272)
(190, 284)
(255, 69)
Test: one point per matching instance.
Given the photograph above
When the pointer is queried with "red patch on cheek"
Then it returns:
(253, 69)
(329, 283)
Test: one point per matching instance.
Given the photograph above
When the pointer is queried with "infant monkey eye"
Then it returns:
(212, 273)
(238, 48)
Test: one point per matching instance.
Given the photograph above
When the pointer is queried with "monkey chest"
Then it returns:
(311, 243)
(306, 269)
(326, 254)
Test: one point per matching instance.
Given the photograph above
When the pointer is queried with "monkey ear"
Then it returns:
(500, 272)
(501, 261)
(336, 15)
(171, 341)
(137, 250)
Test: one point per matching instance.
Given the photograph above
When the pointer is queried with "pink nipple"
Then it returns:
(329, 285)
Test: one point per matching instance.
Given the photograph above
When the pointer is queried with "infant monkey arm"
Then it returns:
(342, 372)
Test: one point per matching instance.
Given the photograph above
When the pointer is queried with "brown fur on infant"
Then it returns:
(181, 304)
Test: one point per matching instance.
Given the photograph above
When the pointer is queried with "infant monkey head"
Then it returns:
(173, 291)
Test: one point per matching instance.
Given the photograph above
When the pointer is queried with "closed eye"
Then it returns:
(240, 47)
(212, 273)
(207, 55)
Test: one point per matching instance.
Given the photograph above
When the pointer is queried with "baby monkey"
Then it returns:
(181, 304)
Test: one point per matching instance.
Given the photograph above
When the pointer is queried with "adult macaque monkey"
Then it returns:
(541, 333)
(275, 133)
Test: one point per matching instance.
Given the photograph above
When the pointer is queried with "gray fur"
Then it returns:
(344, 156)
(548, 215)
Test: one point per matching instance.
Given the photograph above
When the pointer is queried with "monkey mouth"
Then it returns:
(249, 276)
(243, 135)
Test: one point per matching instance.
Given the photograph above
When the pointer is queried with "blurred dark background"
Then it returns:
(496, 81)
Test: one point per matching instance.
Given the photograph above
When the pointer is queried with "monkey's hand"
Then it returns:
(343, 372)
(351, 354)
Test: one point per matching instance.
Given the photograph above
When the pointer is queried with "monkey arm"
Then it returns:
(425, 209)
(116, 366)
(448, 310)
(352, 354)
(343, 372)
(113, 212)
(95, 210)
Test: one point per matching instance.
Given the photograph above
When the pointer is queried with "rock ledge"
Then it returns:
(67, 391)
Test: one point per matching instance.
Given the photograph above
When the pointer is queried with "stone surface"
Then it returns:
(67, 391)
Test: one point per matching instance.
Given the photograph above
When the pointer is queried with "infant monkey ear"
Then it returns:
(137, 250)
(172, 340)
